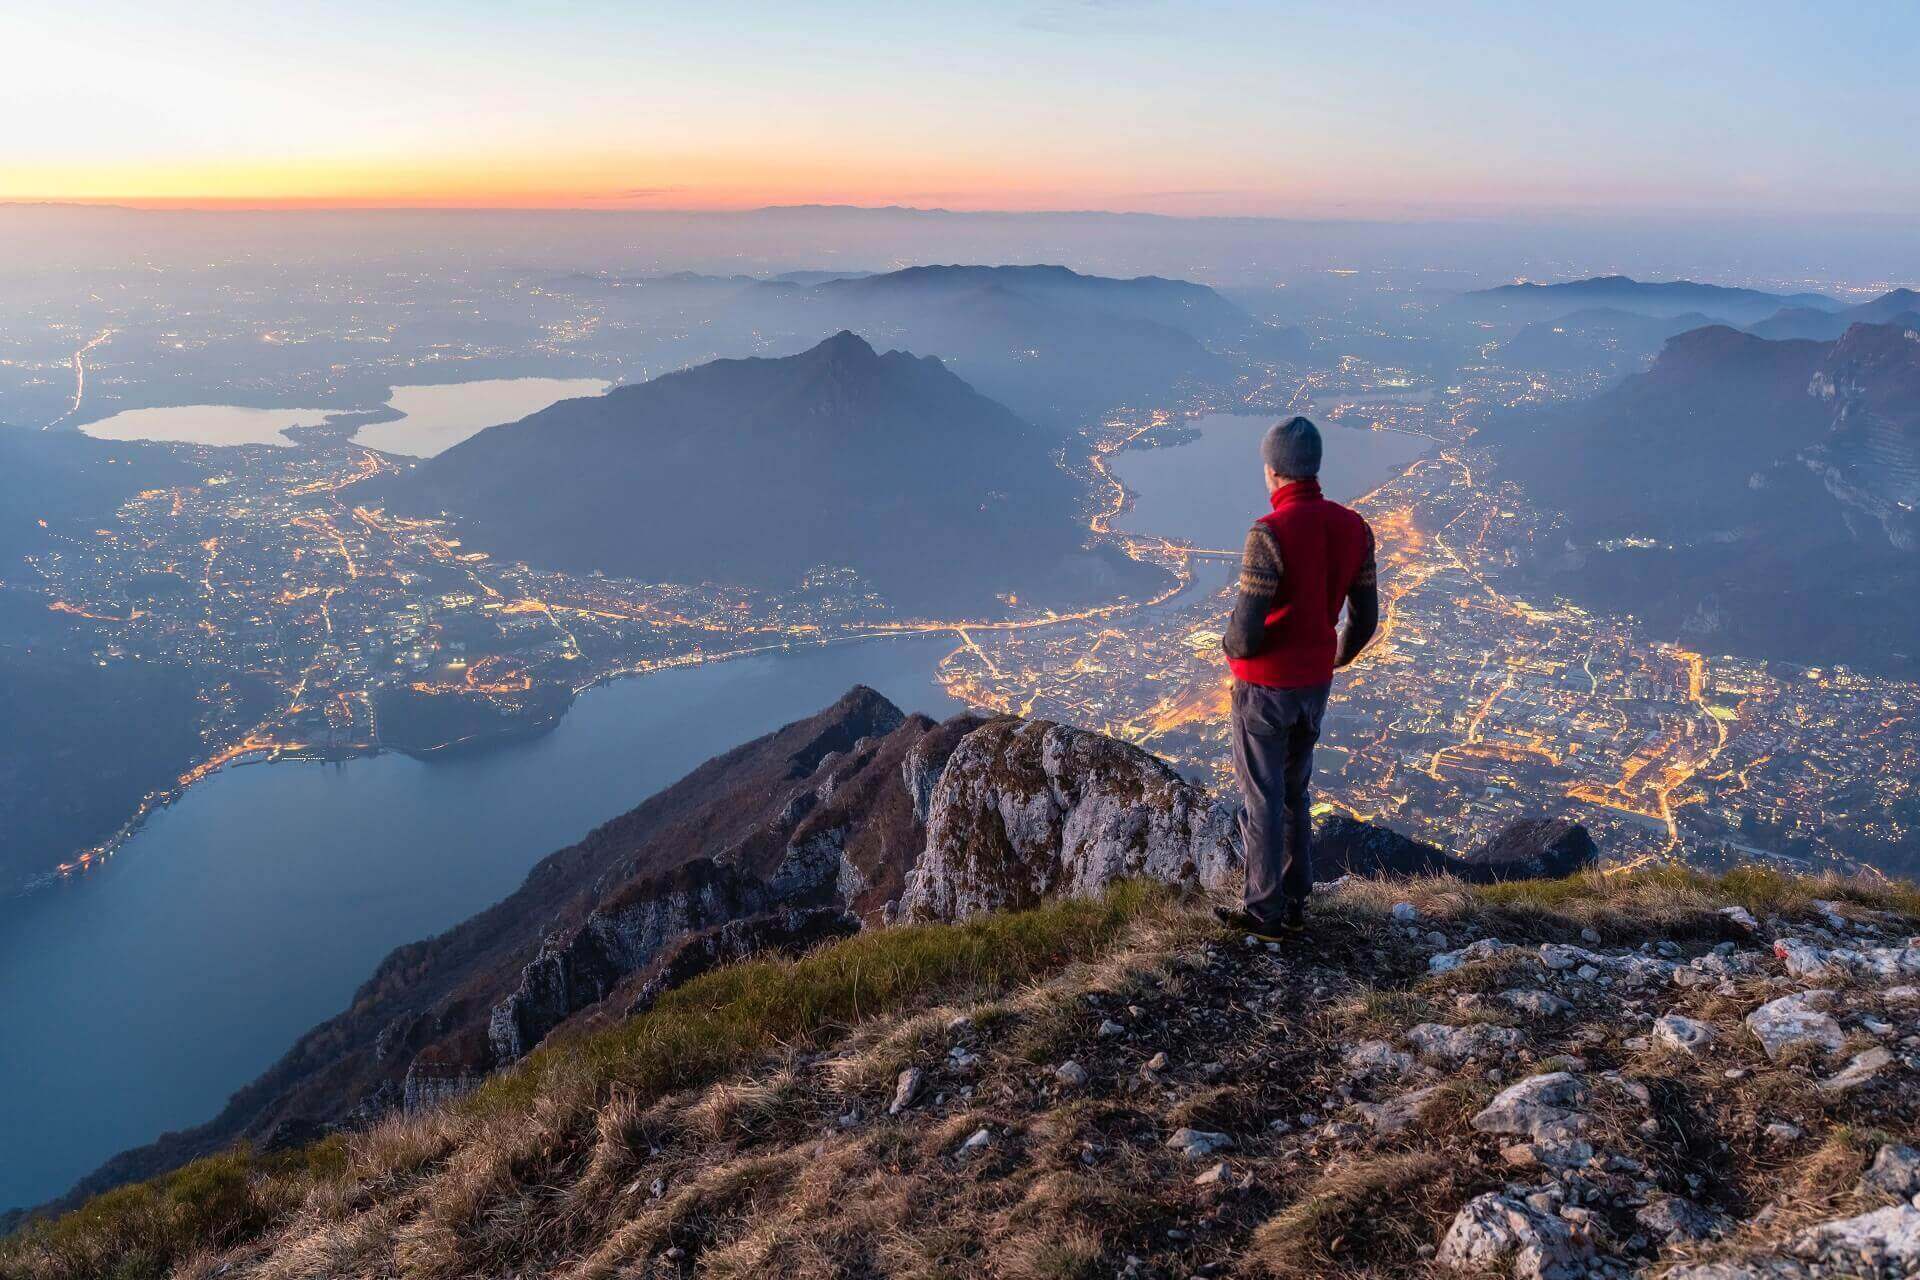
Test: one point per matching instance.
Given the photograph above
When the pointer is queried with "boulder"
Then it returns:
(1028, 809)
(1536, 849)
(1494, 1231)
(1443, 1043)
(1796, 1020)
(1895, 1171)
(1860, 1068)
(1548, 1110)
(1677, 1031)
(1377, 1057)
(1397, 1114)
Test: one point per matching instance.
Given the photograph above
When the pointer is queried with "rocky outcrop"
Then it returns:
(578, 969)
(787, 932)
(1026, 809)
(1528, 849)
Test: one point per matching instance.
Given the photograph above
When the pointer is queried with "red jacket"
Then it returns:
(1324, 550)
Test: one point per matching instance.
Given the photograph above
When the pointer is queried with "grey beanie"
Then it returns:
(1292, 449)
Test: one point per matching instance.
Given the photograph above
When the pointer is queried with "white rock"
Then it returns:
(1895, 1171)
(1781, 1131)
(1860, 1068)
(1495, 1231)
(1794, 1020)
(1444, 1043)
(1377, 1057)
(1448, 961)
(1546, 1108)
(1902, 995)
(1028, 809)
(1396, 1114)
(906, 1090)
(1804, 959)
(1405, 913)
(1677, 1031)
(1198, 1144)
(979, 1141)
(1891, 1235)
(1742, 918)
(1111, 1028)
(1213, 1176)
(1071, 1074)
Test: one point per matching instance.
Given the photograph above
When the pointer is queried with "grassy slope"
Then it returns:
(690, 1138)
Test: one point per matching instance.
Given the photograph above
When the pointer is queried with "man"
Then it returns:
(1303, 560)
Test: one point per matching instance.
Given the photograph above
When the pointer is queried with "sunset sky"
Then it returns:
(1344, 109)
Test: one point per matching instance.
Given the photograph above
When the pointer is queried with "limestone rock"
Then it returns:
(1546, 1108)
(1860, 1068)
(1677, 1031)
(1377, 1057)
(1796, 1020)
(1198, 1144)
(1496, 1231)
(1027, 809)
(1895, 1171)
(1397, 1114)
(1443, 1043)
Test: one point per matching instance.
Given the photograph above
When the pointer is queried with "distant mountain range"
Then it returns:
(1058, 347)
(1595, 338)
(1897, 307)
(1757, 496)
(1661, 298)
(756, 471)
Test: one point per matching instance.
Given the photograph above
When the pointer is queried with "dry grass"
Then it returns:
(1335, 1224)
(703, 1134)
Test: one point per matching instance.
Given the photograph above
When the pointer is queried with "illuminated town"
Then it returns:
(327, 627)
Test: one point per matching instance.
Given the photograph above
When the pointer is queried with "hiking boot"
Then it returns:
(1294, 923)
(1241, 922)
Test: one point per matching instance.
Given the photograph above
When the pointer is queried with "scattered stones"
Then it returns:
(1676, 1031)
(1444, 1043)
(1546, 1108)
(1197, 1144)
(1796, 1020)
(1535, 1001)
(1895, 1171)
(906, 1089)
(1493, 1229)
(1886, 964)
(1860, 1068)
(1071, 1074)
(1889, 1237)
(1448, 961)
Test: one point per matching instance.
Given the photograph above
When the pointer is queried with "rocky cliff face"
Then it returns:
(1027, 808)
(856, 816)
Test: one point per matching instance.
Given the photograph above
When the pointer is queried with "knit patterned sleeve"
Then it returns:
(1369, 574)
(1260, 567)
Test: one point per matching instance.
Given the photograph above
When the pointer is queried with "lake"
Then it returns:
(437, 417)
(137, 999)
(1207, 491)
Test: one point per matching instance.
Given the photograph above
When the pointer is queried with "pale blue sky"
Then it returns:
(1201, 108)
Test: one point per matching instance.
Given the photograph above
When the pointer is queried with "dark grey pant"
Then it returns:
(1273, 735)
